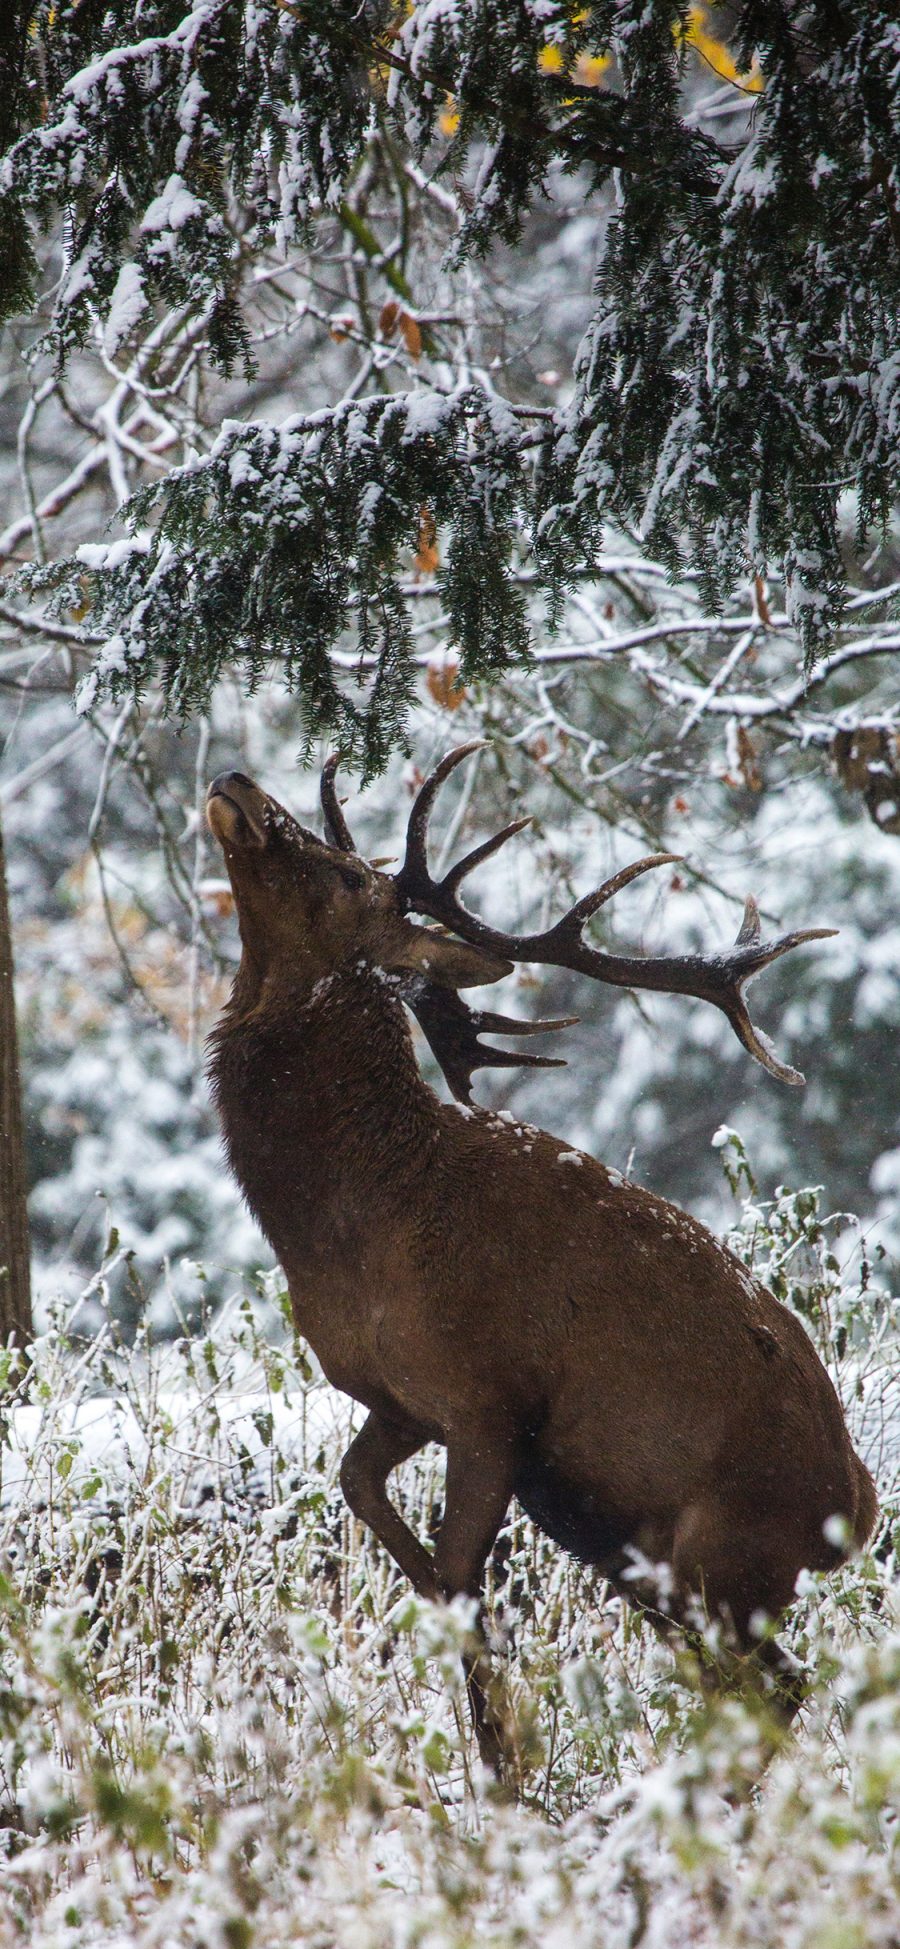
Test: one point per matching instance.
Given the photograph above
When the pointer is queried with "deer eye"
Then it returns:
(351, 877)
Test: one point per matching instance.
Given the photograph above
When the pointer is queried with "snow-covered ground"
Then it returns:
(224, 1720)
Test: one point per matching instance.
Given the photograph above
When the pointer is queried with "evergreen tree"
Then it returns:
(737, 377)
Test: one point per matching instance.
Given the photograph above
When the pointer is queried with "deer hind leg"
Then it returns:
(379, 1447)
(479, 1487)
(740, 1572)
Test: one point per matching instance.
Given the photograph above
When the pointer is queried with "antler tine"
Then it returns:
(337, 830)
(467, 865)
(486, 1019)
(750, 930)
(413, 879)
(491, 1058)
(749, 935)
(590, 903)
(748, 957)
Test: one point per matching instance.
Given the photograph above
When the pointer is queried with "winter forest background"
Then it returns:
(642, 722)
(527, 373)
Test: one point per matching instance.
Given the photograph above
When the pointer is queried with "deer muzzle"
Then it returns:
(236, 810)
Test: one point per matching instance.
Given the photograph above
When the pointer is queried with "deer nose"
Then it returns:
(236, 810)
(224, 779)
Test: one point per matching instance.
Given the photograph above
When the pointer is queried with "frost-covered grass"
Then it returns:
(225, 1721)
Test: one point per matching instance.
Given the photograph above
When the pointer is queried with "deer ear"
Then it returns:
(447, 963)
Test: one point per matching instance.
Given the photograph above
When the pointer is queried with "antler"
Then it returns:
(453, 1029)
(337, 830)
(717, 978)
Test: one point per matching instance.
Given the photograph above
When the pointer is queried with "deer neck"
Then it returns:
(324, 1112)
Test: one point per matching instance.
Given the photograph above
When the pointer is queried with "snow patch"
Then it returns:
(173, 208)
(126, 305)
(111, 554)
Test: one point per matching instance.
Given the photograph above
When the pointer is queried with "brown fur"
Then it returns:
(568, 1337)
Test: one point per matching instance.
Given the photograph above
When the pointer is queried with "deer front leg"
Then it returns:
(380, 1447)
(480, 1478)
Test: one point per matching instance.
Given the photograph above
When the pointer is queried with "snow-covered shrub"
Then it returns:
(225, 1720)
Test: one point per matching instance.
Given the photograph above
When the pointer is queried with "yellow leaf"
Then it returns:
(590, 69)
(717, 54)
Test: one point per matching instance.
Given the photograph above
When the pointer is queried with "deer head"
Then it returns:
(308, 907)
(305, 903)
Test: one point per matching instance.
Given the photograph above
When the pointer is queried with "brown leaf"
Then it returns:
(217, 897)
(412, 334)
(762, 607)
(857, 753)
(80, 609)
(750, 772)
(442, 682)
(868, 761)
(426, 557)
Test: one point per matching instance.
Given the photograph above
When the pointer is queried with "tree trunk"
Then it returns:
(15, 1269)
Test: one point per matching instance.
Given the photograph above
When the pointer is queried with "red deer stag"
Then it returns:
(569, 1338)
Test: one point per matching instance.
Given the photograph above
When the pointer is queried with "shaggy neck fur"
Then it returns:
(323, 1075)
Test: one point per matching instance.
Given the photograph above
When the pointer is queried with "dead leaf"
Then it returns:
(442, 682)
(867, 760)
(858, 753)
(747, 759)
(412, 334)
(82, 608)
(762, 607)
(217, 897)
(427, 557)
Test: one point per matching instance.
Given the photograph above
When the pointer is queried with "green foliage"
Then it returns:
(267, 550)
(737, 377)
(151, 115)
(734, 381)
